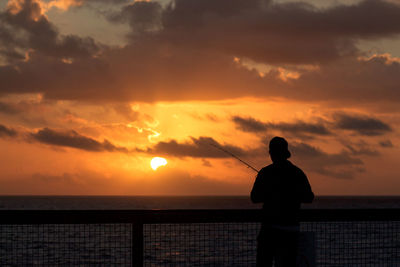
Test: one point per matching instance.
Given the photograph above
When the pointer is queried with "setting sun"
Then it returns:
(157, 162)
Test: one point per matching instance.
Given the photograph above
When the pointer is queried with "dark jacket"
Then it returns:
(282, 187)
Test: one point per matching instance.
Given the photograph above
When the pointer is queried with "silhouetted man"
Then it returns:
(282, 187)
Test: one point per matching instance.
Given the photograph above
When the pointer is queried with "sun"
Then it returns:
(157, 162)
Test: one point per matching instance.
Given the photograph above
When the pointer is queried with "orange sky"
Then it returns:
(91, 91)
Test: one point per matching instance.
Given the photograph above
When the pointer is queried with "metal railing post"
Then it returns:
(137, 244)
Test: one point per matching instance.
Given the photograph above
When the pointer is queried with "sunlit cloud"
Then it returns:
(64, 4)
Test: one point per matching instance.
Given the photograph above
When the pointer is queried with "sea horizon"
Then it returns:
(136, 202)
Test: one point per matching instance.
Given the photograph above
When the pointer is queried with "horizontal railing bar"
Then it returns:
(184, 216)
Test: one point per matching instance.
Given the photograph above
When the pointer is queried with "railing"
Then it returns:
(188, 237)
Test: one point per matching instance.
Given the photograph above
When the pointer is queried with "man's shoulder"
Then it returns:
(295, 168)
(267, 168)
(288, 166)
(264, 171)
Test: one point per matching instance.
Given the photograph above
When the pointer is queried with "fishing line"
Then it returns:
(233, 155)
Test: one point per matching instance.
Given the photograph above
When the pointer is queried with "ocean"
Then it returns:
(182, 202)
(371, 243)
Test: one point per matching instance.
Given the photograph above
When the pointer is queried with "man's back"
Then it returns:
(282, 187)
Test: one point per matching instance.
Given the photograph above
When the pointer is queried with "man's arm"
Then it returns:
(307, 195)
(257, 193)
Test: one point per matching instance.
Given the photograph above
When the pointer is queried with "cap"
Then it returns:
(279, 146)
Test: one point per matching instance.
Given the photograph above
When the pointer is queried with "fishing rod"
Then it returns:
(236, 157)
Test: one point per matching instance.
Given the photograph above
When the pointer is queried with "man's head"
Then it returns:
(278, 149)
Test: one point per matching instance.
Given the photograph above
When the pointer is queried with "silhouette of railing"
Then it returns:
(343, 237)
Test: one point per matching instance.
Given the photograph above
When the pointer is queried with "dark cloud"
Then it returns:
(7, 132)
(300, 127)
(362, 125)
(80, 3)
(111, 2)
(338, 165)
(33, 114)
(296, 128)
(21, 107)
(202, 147)
(157, 71)
(360, 148)
(308, 151)
(212, 117)
(23, 27)
(75, 140)
(249, 124)
(386, 143)
(126, 111)
(143, 17)
(269, 29)
(251, 29)
(186, 50)
(209, 116)
(370, 79)
(206, 163)
(8, 108)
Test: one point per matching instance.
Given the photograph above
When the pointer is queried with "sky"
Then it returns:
(92, 90)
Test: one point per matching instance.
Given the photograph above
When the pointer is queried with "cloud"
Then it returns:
(296, 128)
(386, 143)
(75, 140)
(300, 127)
(32, 113)
(67, 4)
(156, 71)
(345, 164)
(22, 107)
(268, 29)
(143, 17)
(8, 108)
(126, 111)
(308, 151)
(7, 132)
(249, 124)
(202, 147)
(365, 79)
(25, 29)
(362, 125)
(178, 52)
(338, 165)
(206, 163)
(360, 148)
(208, 117)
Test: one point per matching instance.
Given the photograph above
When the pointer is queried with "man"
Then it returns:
(282, 187)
